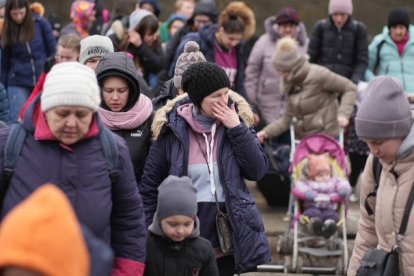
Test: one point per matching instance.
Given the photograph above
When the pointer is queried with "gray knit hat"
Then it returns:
(287, 54)
(385, 112)
(190, 56)
(94, 46)
(176, 196)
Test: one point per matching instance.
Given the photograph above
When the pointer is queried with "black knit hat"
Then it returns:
(398, 17)
(202, 79)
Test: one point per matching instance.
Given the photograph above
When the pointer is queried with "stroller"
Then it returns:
(299, 243)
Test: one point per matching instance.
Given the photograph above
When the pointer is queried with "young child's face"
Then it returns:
(323, 176)
(178, 227)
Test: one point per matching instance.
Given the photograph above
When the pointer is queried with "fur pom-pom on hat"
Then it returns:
(287, 54)
(190, 56)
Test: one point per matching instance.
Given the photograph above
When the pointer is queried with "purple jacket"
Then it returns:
(113, 213)
(262, 81)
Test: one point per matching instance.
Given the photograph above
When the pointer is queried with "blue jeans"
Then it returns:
(17, 97)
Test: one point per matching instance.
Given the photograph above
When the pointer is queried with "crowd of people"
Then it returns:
(134, 138)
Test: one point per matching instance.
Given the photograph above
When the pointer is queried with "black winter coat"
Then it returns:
(343, 51)
(193, 256)
(138, 141)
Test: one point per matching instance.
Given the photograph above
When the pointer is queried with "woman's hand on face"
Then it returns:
(135, 38)
(256, 119)
(342, 121)
(262, 136)
(228, 116)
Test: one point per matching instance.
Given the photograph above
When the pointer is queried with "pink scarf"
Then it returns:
(130, 119)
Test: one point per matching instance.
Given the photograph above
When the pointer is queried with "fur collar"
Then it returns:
(161, 116)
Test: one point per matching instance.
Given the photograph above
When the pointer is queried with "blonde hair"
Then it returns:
(179, 3)
(71, 41)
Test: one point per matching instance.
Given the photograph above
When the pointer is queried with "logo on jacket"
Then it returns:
(137, 134)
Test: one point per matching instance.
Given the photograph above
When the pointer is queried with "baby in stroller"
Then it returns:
(321, 191)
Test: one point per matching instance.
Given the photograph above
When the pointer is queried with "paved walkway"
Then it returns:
(275, 225)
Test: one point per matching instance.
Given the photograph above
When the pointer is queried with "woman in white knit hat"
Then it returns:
(312, 92)
(63, 145)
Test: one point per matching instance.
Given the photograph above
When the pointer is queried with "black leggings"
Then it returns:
(357, 166)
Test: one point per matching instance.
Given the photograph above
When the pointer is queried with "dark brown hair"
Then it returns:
(149, 24)
(26, 30)
(233, 24)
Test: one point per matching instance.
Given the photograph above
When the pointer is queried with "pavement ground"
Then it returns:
(275, 225)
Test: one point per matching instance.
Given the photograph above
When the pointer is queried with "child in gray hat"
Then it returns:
(174, 243)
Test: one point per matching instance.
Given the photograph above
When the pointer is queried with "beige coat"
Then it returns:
(379, 230)
(313, 92)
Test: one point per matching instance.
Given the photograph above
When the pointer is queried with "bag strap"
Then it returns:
(12, 149)
(111, 153)
(377, 61)
(376, 170)
(407, 212)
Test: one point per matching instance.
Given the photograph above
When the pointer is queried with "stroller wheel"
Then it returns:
(287, 265)
(284, 245)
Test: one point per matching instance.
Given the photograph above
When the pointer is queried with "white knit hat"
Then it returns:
(73, 84)
(95, 46)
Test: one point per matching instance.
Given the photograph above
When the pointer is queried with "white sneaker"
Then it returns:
(353, 198)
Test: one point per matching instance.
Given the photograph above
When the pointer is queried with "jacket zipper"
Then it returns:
(29, 50)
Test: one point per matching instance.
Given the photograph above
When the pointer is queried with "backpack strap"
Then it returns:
(12, 149)
(14, 145)
(376, 169)
(377, 61)
(111, 153)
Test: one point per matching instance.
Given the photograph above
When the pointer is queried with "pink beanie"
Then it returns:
(340, 6)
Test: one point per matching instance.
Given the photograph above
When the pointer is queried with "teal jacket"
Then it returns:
(390, 62)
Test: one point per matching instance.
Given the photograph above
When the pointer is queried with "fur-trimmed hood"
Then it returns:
(245, 12)
(161, 116)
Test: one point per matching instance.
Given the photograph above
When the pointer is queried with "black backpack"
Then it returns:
(376, 169)
(14, 145)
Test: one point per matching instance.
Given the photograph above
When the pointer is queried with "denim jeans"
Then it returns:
(17, 97)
